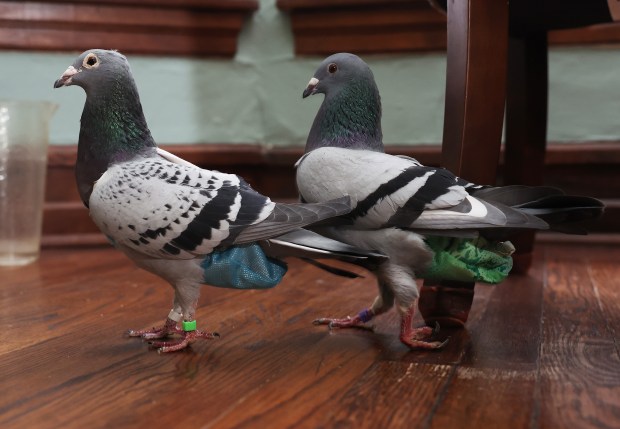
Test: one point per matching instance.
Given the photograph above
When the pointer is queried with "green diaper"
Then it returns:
(469, 260)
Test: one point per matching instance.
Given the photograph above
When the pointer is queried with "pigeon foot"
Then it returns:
(187, 337)
(418, 338)
(348, 322)
(169, 328)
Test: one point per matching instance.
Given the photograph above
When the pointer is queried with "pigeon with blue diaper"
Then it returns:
(188, 225)
(429, 222)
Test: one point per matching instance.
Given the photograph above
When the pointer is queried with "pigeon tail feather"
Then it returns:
(288, 217)
(310, 246)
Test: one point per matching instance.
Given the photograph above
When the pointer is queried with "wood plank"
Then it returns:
(475, 88)
(65, 363)
(110, 18)
(596, 34)
(209, 155)
(363, 42)
(369, 18)
(64, 277)
(319, 4)
(267, 315)
(156, 43)
(196, 4)
(391, 394)
(67, 218)
(580, 359)
(418, 377)
(180, 27)
(336, 22)
(499, 365)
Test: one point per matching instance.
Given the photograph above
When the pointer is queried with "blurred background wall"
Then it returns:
(255, 97)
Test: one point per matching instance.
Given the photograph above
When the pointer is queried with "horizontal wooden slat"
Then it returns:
(321, 4)
(368, 18)
(370, 43)
(200, 28)
(216, 154)
(604, 33)
(118, 16)
(365, 27)
(376, 26)
(159, 44)
(194, 4)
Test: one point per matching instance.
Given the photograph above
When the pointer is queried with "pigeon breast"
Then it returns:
(163, 209)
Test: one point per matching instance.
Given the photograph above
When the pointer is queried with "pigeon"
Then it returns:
(188, 225)
(429, 222)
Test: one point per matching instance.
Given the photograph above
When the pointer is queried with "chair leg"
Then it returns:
(526, 124)
(474, 113)
(475, 88)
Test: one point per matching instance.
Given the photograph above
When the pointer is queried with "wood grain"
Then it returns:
(322, 27)
(498, 368)
(580, 358)
(192, 28)
(537, 352)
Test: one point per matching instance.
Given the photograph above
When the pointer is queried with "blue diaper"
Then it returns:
(242, 267)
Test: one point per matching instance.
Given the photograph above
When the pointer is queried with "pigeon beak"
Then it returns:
(65, 79)
(311, 88)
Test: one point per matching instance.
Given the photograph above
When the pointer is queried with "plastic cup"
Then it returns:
(24, 134)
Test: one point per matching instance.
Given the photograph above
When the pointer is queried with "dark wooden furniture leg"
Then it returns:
(526, 123)
(474, 113)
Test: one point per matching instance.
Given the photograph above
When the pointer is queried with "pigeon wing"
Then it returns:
(391, 191)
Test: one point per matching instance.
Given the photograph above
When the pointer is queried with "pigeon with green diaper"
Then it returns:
(429, 222)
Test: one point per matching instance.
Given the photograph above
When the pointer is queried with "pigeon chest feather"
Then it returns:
(163, 209)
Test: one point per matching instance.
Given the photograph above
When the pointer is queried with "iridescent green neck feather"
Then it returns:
(113, 129)
(349, 117)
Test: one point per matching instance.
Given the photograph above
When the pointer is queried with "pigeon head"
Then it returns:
(350, 115)
(337, 72)
(93, 68)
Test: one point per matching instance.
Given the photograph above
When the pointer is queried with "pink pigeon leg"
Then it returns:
(417, 338)
(170, 327)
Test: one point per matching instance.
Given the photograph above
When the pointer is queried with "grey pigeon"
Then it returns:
(188, 225)
(401, 207)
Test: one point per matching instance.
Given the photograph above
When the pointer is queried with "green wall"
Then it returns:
(256, 97)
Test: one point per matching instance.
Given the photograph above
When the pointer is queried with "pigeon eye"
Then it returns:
(90, 61)
(332, 68)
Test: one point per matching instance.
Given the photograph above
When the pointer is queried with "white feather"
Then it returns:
(173, 158)
(131, 198)
(328, 173)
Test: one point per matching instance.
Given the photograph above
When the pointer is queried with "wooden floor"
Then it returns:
(539, 351)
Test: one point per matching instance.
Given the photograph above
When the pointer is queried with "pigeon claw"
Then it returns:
(424, 345)
(418, 338)
(169, 328)
(347, 322)
(187, 338)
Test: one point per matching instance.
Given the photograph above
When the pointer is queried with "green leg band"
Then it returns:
(189, 326)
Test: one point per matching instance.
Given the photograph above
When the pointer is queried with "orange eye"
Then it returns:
(90, 61)
(332, 68)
